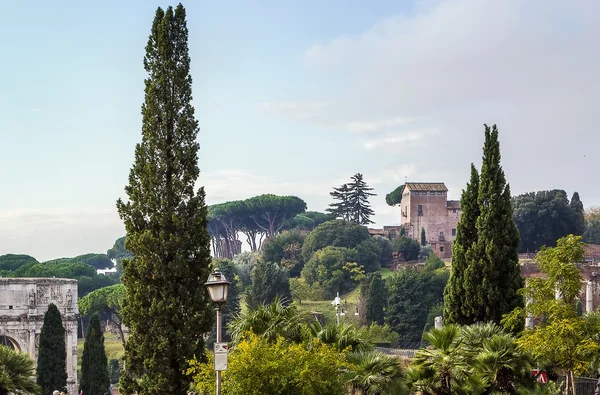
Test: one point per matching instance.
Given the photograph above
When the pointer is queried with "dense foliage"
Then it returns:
(16, 372)
(286, 250)
(107, 301)
(52, 355)
(490, 275)
(165, 306)
(545, 216)
(407, 247)
(332, 269)
(268, 281)
(336, 233)
(12, 262)
(374, 294)
(592, 226)
(94, 364)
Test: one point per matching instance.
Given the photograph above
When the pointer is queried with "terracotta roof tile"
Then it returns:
(427, 186)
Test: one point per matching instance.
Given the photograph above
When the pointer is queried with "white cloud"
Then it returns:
(373, 126)
(394, 141)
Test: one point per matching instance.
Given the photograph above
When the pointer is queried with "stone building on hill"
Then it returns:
(425, 205)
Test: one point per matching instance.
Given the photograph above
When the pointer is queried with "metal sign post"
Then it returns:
(221, 351)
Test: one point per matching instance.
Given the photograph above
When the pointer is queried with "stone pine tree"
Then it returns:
(578, 215)
(493, 274)
(52, 355)
(423, 237)
(466, 236)
(358, 197)
(166, 307)
(94, 364)
(374, 294)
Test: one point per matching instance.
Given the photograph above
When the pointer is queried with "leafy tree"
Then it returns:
(395, 197)
(261, 367)
(165, 306)
(318, 218)
(466, 235)
(327, 268)
(369, 252)
(423, 237)
(268, 282)
(374, 293)
(12, 262)
(286, 249)
(385, 249)
(336, 233)
(545, 216)
(94, 364)
(492, 277)
(300, 290)
(411, 296)
(16, 370)
(592, 226)
(563, 338)
(383, 335)
(244, 263)
(107, 300)
(358, 196)
(270, 212)
(578, 215)
(52, 353)
(341, 208)
(408, 247)
(231, 218)
(433, 262)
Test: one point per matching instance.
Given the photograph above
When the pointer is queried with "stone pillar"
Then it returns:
(31, 345)
(438, 322)
(71, 346)
(589, 297)
(529, 318)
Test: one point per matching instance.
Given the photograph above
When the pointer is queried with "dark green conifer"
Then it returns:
(374, 294)
(578, 215)
(423, 237)
(493, 274)
(466, 235)
(94, 364)
(52, 354)
(166, 308)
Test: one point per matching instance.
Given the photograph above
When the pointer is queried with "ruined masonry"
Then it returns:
(23, 302)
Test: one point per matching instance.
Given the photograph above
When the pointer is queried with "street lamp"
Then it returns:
(218, 287)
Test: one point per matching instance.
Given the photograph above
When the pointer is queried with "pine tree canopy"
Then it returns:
(166, 307)
(52, 355)
(94, 364)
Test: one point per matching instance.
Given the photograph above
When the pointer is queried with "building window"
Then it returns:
(441, 233)
(416, 193)
(439, 194)
(420, 209)
(454, 232)
(453, 211)
(441, 248)
(432, 193)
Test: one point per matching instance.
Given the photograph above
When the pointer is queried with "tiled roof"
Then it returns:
(427, 186)
(453, 203)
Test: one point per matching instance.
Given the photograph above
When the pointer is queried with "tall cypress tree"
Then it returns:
(578, 215)
(455, 293)
(166, 307)
(374, 293)
(52, 354)
(493, 274)
(423, 237)
(94, 364)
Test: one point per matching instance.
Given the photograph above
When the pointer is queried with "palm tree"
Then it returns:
(374, 373)
(270, 321)
(16, 373)
(442, 368)
(341, 336)
(506, 368)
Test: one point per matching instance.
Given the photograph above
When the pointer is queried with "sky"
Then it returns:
(292, 98)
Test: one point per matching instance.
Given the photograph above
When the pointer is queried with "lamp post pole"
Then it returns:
(219, 340)
(218, 286)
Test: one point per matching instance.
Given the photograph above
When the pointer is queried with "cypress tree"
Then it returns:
(374, 293)
(94, 364)
(466, 235)
(493, 274)
(166, 307)
(423, 237)
(52, 354)
(578, 215)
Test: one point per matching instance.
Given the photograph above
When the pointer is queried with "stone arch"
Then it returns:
(10, 342)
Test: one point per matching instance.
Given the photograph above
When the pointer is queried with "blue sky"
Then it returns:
(292, 98)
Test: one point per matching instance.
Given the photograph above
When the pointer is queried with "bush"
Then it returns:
(331, 269)
(336, 233)
(409, 248)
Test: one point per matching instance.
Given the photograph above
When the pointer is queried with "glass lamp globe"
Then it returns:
(217, 286)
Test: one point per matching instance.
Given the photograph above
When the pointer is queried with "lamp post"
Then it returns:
(218, 287)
